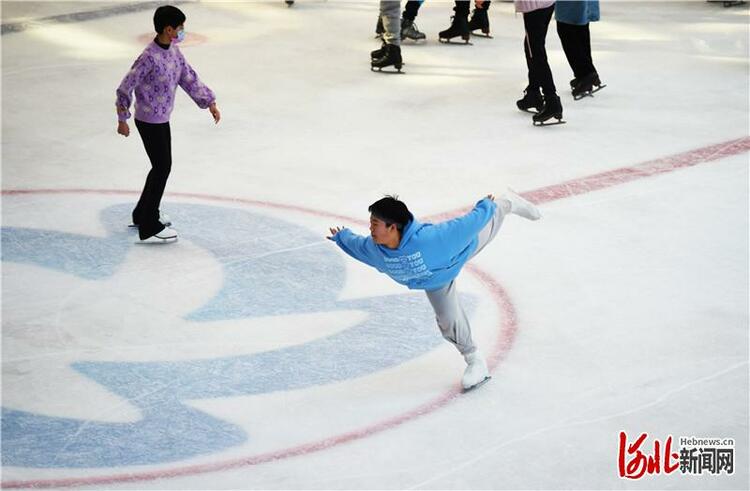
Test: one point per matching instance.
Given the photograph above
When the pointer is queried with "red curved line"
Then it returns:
(602, 180)
(508, 328)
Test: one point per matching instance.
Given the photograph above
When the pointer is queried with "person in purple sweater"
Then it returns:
(154, 77)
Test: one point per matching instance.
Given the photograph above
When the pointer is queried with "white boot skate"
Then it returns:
(163, 219)
(520, 206)
(166, 236)
(476, 372)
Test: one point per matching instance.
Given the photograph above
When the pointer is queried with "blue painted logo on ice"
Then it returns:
(269, 268)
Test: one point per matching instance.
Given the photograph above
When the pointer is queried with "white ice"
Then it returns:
(631, 301)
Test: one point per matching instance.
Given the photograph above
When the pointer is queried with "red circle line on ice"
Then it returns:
(506, 335)
(509, 323)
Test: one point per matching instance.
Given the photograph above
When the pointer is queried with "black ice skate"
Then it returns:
(459, 28)
(585, 86)
(531, 98)
(379, 29)
(289, 3)
(409, 30)
(391, 57)
(552, 109)
(378, 53)
(480, 20)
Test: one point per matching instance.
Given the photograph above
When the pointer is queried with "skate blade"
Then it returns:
(482, 35)
(403, 63)
(589, 93)
(372, 60)
(156, 242)
(397, 71)
(529, 111)
(545, 123)
(465, 42)
(473, 387)
(133, 225)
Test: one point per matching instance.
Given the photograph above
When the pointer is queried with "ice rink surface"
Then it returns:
(253, 354)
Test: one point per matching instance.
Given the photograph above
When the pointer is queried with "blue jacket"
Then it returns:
(578, 12)
(428, 256)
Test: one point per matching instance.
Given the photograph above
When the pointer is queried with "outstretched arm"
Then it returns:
(456, 234)
(334, 231)
(360, 248)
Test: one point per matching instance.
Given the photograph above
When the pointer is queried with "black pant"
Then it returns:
(463, 6)
(540, 75)
(576, 42)
(157, 139)
(411, 9)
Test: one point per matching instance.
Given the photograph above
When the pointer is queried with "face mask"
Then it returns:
(180, 36)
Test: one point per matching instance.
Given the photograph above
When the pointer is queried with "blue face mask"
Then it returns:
(180, 36)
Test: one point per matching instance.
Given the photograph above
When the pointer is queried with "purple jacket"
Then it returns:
(155, 76)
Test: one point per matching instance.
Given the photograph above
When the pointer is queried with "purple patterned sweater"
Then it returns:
(155, 76)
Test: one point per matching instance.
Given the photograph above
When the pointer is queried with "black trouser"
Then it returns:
(576, 42)
(158, 142)
(463, 6)
(540, 75)
(411, 9)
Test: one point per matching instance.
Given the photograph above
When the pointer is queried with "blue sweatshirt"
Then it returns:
(429, 256)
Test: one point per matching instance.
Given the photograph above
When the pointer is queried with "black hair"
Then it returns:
(167, 15)
(391, 211)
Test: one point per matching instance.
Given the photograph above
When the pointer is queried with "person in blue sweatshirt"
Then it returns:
(429, 257)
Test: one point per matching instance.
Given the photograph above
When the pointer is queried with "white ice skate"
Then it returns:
(476, 372)
(520, 206)
(163, 219)
(166, 236)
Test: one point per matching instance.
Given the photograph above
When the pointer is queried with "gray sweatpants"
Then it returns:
(450, 315)
(390, 13)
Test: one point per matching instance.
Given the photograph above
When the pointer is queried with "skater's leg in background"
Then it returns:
(459, 23)
(412, 9)
(462, 8)
(570, 44)
(390, 13)
(479, 18)
(482, 5)
(409, 29)
(390, 53)
(531, 71)
(536, 23)
(587, 63)
(158, 143)
(451, 318)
